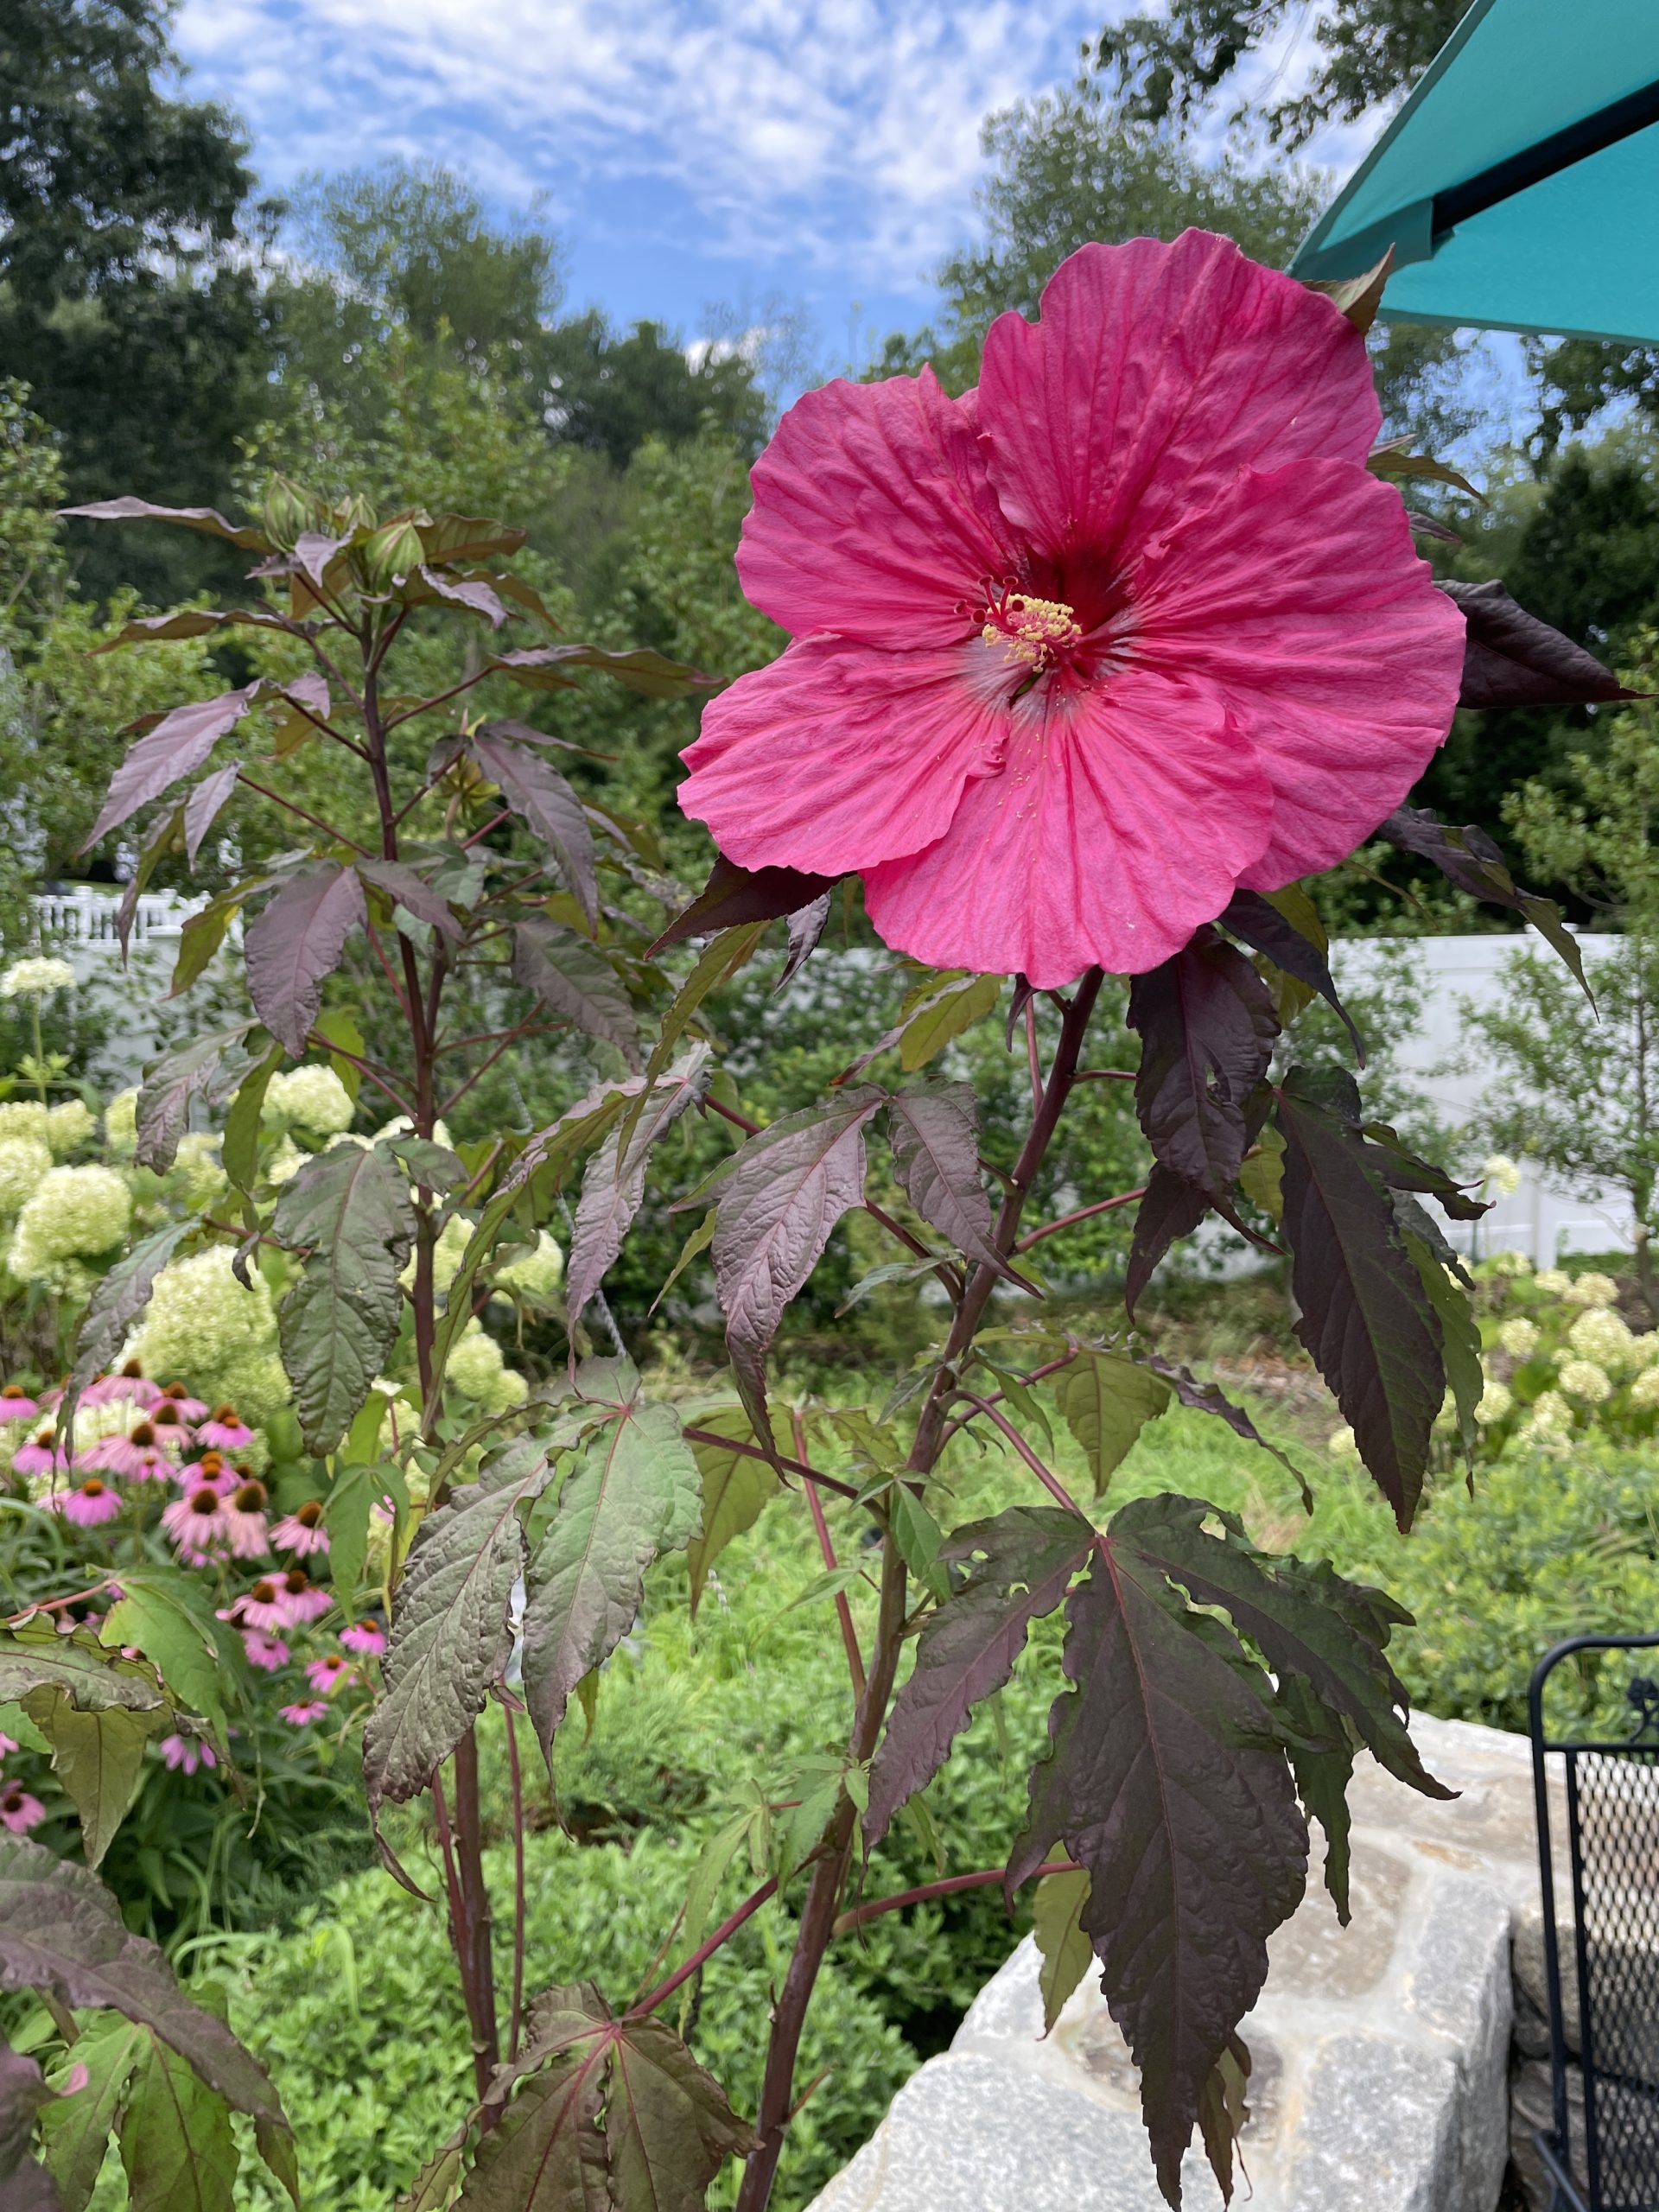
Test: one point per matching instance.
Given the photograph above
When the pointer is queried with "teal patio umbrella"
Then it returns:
(1519, 185)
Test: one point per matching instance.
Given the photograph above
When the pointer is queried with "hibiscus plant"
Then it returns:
(1091, 671)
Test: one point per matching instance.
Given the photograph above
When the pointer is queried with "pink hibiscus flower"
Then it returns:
(186, 1753)
(302, 1532)
(198, 1525)
(366, 1636)
(19, 1811)
(1079, 654)
(87, 1504)
(298, 1716)
(226, 1431)
(266, 1652)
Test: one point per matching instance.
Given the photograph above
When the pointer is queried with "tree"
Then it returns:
(127, 301)
(1580, 1088)
(1167, 67)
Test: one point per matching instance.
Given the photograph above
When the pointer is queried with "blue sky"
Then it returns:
(815, 155)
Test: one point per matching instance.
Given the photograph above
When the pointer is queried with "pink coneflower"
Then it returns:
(245, 1520)
(131, 1383)
(40, 1456)
(301, 1597)
(198, 1526)
(172, 1431)
(330, 1673)
(301, 1716)
(366, 1636)
(263, 1607)
(7, 1745)
(137, 1456)
(186, 1753)
(185, 1406)
(302, 1532)
(87, 1504)
(266, 1652)
(15, 1404)
(214, 1470)
(227, 1429)
(19, 1811)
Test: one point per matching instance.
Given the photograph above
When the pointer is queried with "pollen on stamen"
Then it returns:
(1031, 631)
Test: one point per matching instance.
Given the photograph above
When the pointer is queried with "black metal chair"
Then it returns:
(1613, 1840)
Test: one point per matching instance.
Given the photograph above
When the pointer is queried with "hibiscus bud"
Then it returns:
(289, 512)
(391, 554)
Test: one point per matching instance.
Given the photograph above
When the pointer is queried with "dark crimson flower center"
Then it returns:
(227, 1415)
(143, 1434)
(92, 1487)
(309, 1514)
(211, 1463)
(250, 1498)
(297, 1581)
(166, 1416)
(204, 1501)
(264, 1593)
(175, 1390)
(14, 1390)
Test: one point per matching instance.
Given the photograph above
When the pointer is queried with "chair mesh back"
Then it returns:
(1613, 1813)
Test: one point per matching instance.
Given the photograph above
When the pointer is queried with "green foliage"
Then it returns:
(343, 2013)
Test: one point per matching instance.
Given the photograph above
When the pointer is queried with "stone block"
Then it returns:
(1378, 2126)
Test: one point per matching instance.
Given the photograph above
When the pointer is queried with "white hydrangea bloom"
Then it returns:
(1584, 1380)
(1510, 1263)
(401, 1126)
(1341, 1444)
(310, 1098)
(284, 1163)
(74, 1211)
(447, 1255)
(36, 978)
(198, 1168)
(1644, 1391)
(202, 1326)
(1551, 1417)
(1519, 1338)
(1502, 1172)
(1644, 1349)
(1604, 1336)
(538, 1274)
(1496, 1402)
(25, 1117)
(121, 1120)
(1555, 1281)
(1591, 1290)
(475, 1364)
(510, 1389)
(69, 1125)
(24, 1165)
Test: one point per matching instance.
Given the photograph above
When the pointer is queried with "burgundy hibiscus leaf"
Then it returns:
(1210, 1398)
(935, 1140)
(542, 668)
(1255, 921)
(1513, 659)
(1172, 1209)
(207, 1068)
(1469, 860)
(175, 748)
(1364, 1312)
(1402, 1170)
(790, 1185)
(734, 895)
(1207, 1027)
(574, 979)
(295, 946)
(1021, 1565)
(547, 804)
(203, 519)
(1163, 1781)
(806, 928)
(412, 893)
(613, 1193)
(204, 806)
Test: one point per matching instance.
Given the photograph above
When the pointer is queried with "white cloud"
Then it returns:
(842, 132)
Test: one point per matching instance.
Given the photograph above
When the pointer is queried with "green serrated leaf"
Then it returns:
(99, 1757)
(176, 2143)
(1106, 1401)
(736, 1488)
(240, 1151)
(1067, 1954)
(160, 1612)
(353, 1491)
(75, 2130)
(928, 1033)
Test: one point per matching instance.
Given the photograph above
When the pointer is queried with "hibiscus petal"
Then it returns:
(1123, 819)
(1156, 373)
(873, 517)
(837, 756)
(1302, 598)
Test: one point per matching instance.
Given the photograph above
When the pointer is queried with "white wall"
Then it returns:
(1540, 1220)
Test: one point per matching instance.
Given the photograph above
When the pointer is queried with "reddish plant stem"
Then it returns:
(514, 2018)
(827, 1553)
(494, 822)
(1083, 1213)
(694, 1435)
(1031, 1060)
(828, 1879)
(704, 1953)
(1050, 1481)
(52, 1605)
(946, 1888)
(525, 1029)
(316, 820)
(365, 1068)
